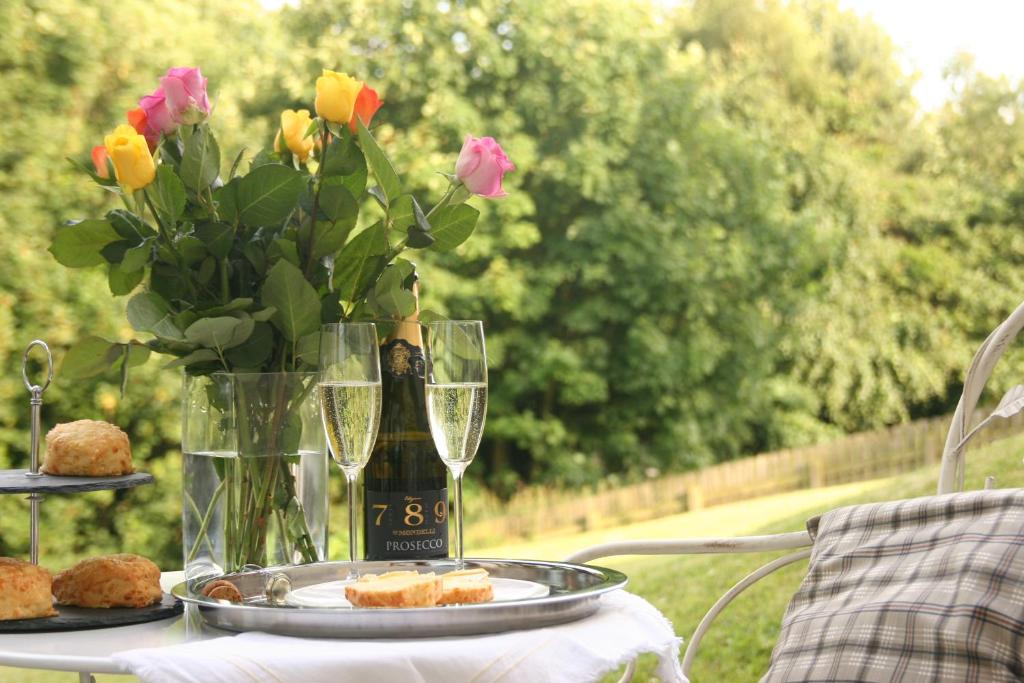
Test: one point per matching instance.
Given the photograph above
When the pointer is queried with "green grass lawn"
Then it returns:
(738, 646)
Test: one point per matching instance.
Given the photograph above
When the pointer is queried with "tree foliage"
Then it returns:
(731, 227)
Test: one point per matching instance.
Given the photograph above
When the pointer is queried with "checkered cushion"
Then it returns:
(930, 589)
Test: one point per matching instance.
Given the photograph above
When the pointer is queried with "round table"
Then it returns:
(91, 651)
(88, 651)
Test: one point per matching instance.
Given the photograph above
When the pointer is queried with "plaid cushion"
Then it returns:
(930, 589)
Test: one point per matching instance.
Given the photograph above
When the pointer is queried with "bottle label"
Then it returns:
(408, 525)
(402, 359)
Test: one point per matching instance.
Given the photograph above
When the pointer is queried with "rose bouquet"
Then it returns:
(234, 267)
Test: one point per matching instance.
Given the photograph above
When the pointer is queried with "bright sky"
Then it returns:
(931, 32)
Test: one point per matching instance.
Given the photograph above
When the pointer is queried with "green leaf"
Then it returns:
(89, 357)
(268, 194)
(197, 356)
(452, 225)
(389, 295)
(337, 202)
(264, 314)
(80, 245)
(401, 213)
(115, 251)
(168, 195)
(223, 332)
(429, 316)
(256, 350)
(341, 208)
(297, 304)
(262, 158)
(226, 198)
(149, 312)
(200, 163)
(239, 304)
(360, 261)
(218, 238)
(207, 269)
(256, 256)
(379, 163)
(281, 248)
(136, 258)
(418, 239)
(138, 353)
(343, 158)
(307, 350)
(191, 249)
(129, 226)
(122, 281)
(169, 281)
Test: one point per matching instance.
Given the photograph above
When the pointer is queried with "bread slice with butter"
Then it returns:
(465, 586)
(395, 589)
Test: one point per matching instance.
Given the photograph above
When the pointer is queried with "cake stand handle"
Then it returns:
(36, 403)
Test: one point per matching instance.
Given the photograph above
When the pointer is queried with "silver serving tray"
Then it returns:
(575, 592)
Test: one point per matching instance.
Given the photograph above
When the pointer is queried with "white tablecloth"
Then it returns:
(624, 627)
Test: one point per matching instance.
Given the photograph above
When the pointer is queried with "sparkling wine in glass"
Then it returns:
(350, 394)
(456, 400)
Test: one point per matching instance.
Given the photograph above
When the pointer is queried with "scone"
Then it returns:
(120, 580)
(465, 586)
(395, 589)
(87, 448)
(24, 590)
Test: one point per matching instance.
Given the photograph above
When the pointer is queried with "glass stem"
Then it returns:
(353, 532)
(459, 557)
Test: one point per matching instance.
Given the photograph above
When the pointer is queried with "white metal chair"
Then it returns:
(951, 479)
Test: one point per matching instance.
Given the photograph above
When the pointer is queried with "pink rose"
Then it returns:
(158, 116)
(185, 89)
(481, 166)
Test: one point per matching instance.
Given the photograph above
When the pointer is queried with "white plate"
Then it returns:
(332, 594)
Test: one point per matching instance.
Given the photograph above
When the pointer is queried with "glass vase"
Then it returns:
(255, 479)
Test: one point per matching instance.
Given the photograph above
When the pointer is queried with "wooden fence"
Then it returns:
(858, 457)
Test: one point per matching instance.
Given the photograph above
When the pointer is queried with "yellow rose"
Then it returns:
(133, 163)
(336, 96)
(294, 125)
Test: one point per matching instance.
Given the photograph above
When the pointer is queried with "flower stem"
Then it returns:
(445, 199)
(201, 536)
(316, 200)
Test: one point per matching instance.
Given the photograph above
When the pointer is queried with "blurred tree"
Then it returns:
(731, 229)
(70, 71)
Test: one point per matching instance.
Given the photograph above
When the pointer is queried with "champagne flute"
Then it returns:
(456, 389)
(350, 396)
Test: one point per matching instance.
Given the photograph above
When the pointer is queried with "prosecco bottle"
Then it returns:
(405, 482)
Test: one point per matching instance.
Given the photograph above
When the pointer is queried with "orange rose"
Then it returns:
(99, 160)
(367, 104)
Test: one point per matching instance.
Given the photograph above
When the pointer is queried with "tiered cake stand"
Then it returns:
(35, 484)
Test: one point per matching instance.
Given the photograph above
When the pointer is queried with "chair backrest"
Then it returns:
(951, 475)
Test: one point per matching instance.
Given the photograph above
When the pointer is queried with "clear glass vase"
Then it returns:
(255, 480)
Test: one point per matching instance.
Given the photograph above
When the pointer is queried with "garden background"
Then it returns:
(731, 230)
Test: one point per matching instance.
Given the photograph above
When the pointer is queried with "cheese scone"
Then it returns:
(395, 589)
(87, 448)
(121, 580)
(24, 590)
(465, 586)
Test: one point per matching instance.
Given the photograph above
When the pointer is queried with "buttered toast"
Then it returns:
(465, 586)
(395, 589)
(412, 589)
